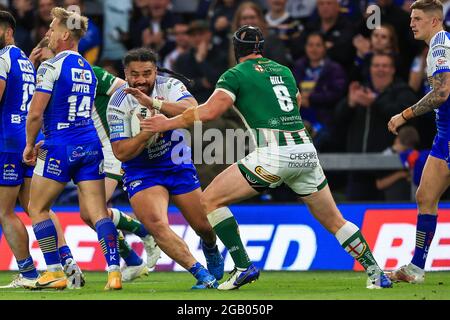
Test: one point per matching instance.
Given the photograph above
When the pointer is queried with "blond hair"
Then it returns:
(73, 21)
(429, 6)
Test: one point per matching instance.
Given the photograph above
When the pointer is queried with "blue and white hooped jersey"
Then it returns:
(71, 82)
(438, 60)
(20, 76)
(170, 148)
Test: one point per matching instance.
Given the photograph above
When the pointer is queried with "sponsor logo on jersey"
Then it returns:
(16, 119)
(81, 76)
(266, 175)
(117, 126)
(258, 68)
(9, 166)
(274, 122)
(62, 126)
(81, 62)
(441, 61)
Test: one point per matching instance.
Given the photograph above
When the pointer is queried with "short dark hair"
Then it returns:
(7, 19)
(316, 34)
(140, 55)
(409, 137)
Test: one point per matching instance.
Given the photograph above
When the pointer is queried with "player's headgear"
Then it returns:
(248, 40)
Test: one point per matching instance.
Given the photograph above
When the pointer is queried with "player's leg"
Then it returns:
(322, 206)
(229, 187)
(124, 222)
(43, 193)
(191, 208)
(17, 237)
(150, 207)
(435, 180)
(91, 196)
(68, 262)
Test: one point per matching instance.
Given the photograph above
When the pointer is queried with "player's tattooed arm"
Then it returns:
(436, 97)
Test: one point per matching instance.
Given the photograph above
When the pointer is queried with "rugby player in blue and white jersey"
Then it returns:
(72, 151)
(164, 170)
(17, 84)
(427, 24)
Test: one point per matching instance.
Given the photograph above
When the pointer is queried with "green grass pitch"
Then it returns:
(271, 286)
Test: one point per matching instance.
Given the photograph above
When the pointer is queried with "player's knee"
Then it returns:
(159, 229)
(207, 202)
(425, 199)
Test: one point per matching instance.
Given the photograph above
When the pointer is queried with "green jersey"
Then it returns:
(265, 96)
(105, 84)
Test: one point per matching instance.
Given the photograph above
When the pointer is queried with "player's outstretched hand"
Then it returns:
(141, 97)
(157, 123)
(30, 153)
(396, 122)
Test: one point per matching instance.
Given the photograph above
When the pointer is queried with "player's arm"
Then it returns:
(434, 99)
(4, 69)
(178, 99)
(299, 100)
(46, 78)
(128, 149)
(34, 124)
(124, 146)
(217, 104)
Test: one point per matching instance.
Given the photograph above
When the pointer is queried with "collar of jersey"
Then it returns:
(434, 37)
(69, 51)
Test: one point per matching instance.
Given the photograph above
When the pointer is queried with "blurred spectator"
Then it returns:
(337, 30)
(249, 13)
(353, 9)
(366, 112)
(399, 19)
(322, 84)
(221, 14)
(204, 62)
(24, 14)
(44, 18)
(90, 44)
(182, 42)
(301, 9)
(397, 185)
(418, 79)
(282, 25)
(382, 40)
(115, 24)
(154, 31)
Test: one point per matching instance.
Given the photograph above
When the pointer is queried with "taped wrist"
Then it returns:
(408, 114)
(157, 104)
(190, 115)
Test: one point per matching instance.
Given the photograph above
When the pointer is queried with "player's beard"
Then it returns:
(2, 41)
(148, 88)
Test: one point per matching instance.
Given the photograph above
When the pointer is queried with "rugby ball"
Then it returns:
(136, 122)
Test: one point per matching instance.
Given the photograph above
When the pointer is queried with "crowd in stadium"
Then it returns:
(352, 77)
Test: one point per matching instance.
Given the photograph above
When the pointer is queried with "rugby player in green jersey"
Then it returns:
(265, 94)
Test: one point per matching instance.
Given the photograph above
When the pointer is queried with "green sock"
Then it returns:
(227, 230)
(124, 247)
(357, 247)
(127, 223)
